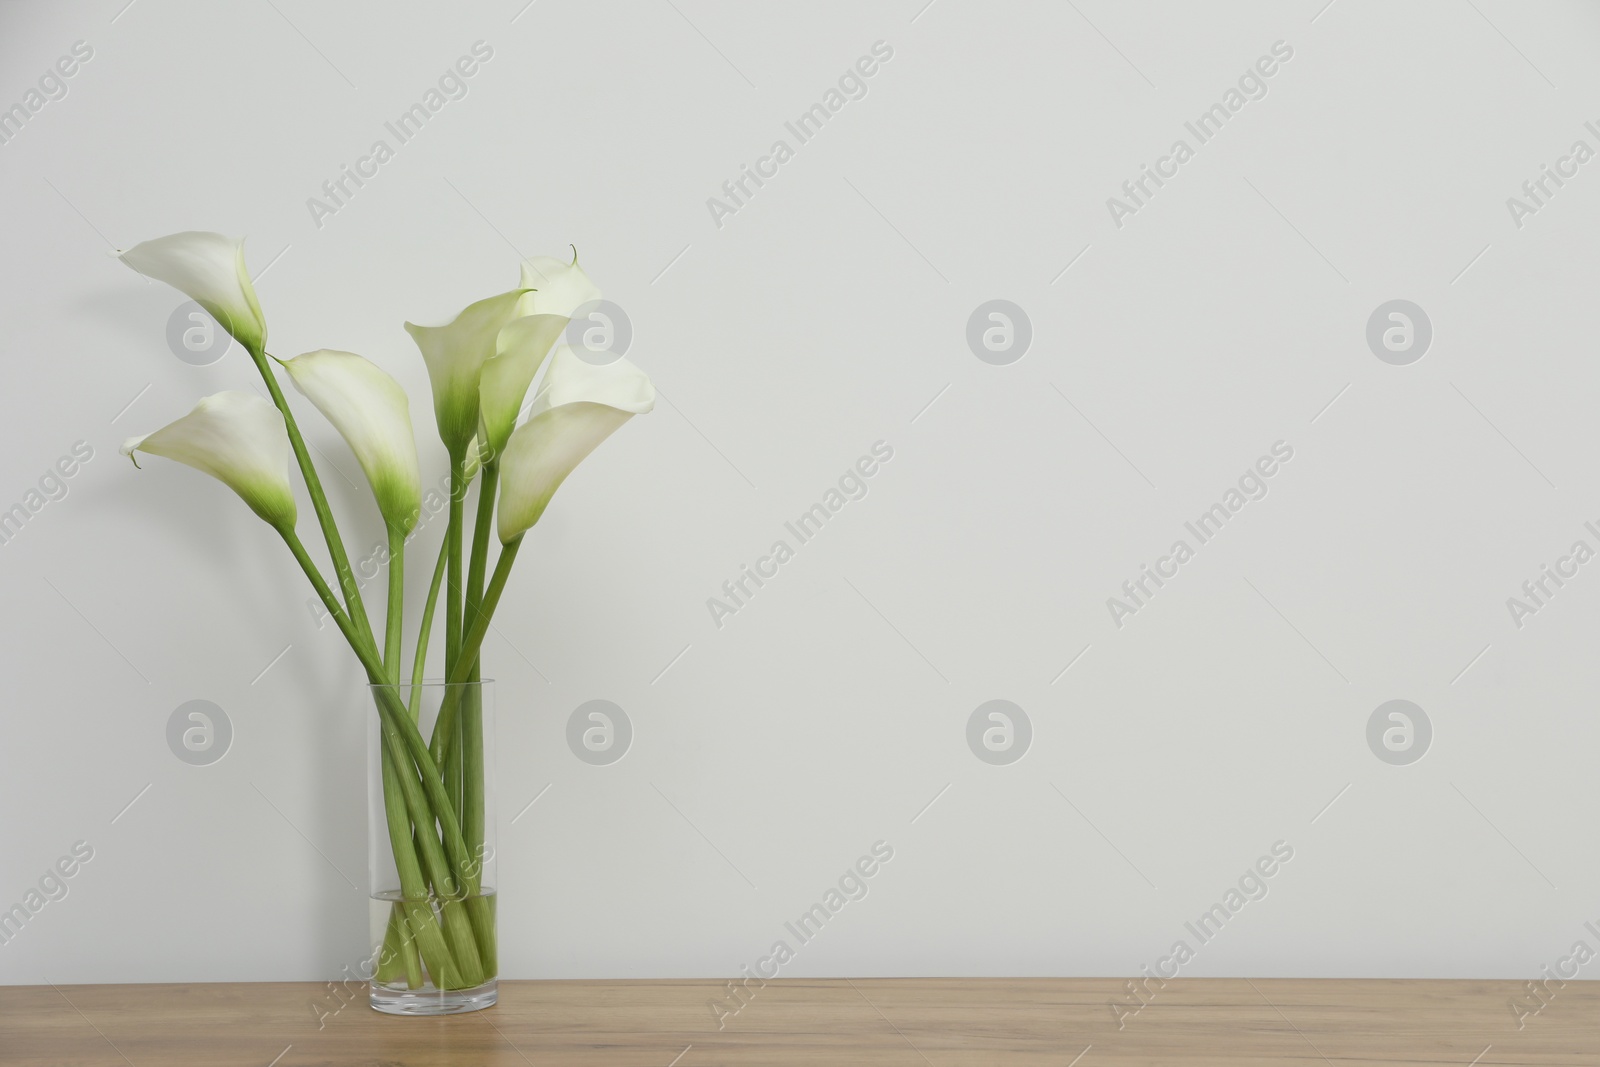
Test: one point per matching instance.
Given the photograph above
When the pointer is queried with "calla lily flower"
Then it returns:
(455, 354)
(372, 414)
(559, 289)
(556, 288)
(210, 269)
(522, 347)
(238, 438)
(578, 406)
(477, 454)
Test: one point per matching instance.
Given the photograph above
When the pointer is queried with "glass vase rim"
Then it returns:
(430, 683)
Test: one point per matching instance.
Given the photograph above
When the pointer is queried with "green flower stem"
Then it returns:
(452, 777)
(413, 887)
(473, 641)
(399, 946)
(405, 749)
(419, 662)
(471, 731)
(408, 950)
(390, 964)
(465, 968)
(452, 593)
(396, 720)
(444, 728)
(410, 743)
(393, 618)
(419, 917)
(399, 955)
(413, 957)
(319, 501)
(451, 768)
(457, 923)
(481, 913)
(483, 525)
(399, 952)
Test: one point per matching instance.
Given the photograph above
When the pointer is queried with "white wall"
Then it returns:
(830, 312)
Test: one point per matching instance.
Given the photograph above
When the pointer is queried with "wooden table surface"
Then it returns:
(915, 1022)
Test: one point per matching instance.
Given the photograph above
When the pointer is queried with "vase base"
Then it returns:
(430, 1001)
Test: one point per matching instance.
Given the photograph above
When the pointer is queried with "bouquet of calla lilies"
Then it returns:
(481, 366)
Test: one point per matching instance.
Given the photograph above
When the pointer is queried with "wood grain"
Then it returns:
(913, 1022)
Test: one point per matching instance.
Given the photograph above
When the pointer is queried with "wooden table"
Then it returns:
(912, 1022)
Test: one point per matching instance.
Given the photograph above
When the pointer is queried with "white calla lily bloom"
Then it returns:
(522, 347)
(559, 289)
(371, 412)
(578, 406)
(472, 463)
(210, 269)
(237, 438)
(455, 354)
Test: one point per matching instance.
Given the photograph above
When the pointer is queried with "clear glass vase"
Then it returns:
(435, 946)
